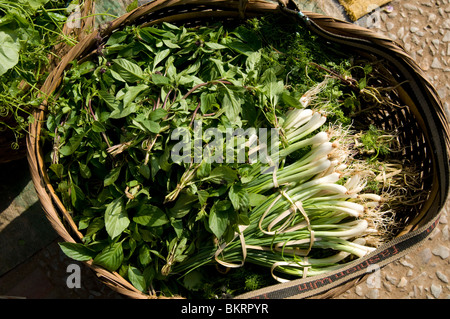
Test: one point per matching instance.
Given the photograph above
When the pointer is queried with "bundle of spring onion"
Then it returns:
(183, 151)
(319, 201)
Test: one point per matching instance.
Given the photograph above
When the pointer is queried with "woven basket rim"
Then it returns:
(54, 208)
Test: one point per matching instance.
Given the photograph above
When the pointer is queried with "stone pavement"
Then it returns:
(33, 266)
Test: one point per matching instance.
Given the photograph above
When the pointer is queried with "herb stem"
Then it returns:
(95, 119)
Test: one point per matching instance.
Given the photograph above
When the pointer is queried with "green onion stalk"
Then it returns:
(314, 204)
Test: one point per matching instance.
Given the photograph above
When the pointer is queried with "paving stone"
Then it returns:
(431, 17)
(436, 43)
(359, 290)
(389, 26)
(436, 64)
(416, 291)
(441, 251)
(446, 37)
(425, 255)
(410, 7)
(373, 294)
(402, 283)
(436, 290)
(391, 279)
(441, 276)
(445, 234)
(387, 286)
(437, 231)
(406, 263)
(446, 24)
(419, 277)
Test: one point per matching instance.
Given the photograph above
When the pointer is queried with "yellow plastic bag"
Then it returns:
(358, 8)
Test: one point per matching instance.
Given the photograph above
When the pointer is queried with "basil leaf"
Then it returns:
(154, 166)
(256, 199)
(111, 257)
(58, 169)
(157, 114)
(207, 101)
(290, 100)
(98, 127)
(112, 176)
(168, 43)
(121, 111)
(72, 145)
(274, 90)
(109, 99)
(146, 124)
(178, 226)
(137, 278)
(129, 71)
(218, 218)
(183, 205)
(95, 225)
(77, 251)
(117, 37)
(150, 216)
(144, 255)
(194, 280)
(116, 218)
(84, 170)
(202, 196)
(215, 46)
(223, 175)
(145, 171)
(231, 105)
(77, 196)
(204, 169)
(161, 55)
(9, 52)
(241, 47)
(160, 79)
(239, 197)
(132, 93)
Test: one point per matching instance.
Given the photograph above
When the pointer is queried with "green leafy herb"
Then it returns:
(140, 147)
(116, 218)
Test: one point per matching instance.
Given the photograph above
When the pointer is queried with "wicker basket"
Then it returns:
(419, 116)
